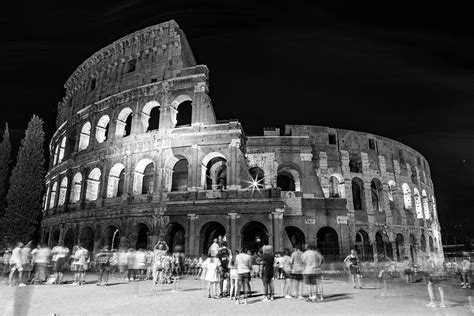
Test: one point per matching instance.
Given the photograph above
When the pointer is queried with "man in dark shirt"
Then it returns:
(268, 260)
(224, 255)
(103, 264)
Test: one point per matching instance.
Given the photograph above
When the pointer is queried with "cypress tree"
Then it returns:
(5, 153)
(27, 186)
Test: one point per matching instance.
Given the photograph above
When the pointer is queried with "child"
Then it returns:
(211, 275)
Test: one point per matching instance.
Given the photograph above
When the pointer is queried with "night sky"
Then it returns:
(404, 72)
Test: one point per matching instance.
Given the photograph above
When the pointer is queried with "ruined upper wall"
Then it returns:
(154, 54)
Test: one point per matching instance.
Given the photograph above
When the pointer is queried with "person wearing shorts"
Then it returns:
(434, 272)
(312, 261)
(354, 268)
(285, 260)
(243, 263)
(16, 265)
(297, 272)
(60, 254)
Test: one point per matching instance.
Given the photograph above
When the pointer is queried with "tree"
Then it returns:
(5, 153)
(27, 186)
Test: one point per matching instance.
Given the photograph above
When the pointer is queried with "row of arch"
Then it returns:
(149, 120)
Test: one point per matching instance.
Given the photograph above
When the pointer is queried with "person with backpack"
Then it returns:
(224, 255)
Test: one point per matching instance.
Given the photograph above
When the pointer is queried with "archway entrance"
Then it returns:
(210, 231)
(69, 239)
(384, 247)
(175, 234)
(142, 236)
(111, 237)
(55, 238)
(363, 246)
(254, 236)
(413, 252)
(399, 241)
(296, 236)
(328, 243)
(87, 238)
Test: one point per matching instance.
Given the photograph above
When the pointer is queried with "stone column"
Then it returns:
(69, 188)
(233, 234)
(233, 166)
(307, 165)
(82, 198)
(277, 228)
(191, 240)
(62, 232)
(194, 176)
(50, 236)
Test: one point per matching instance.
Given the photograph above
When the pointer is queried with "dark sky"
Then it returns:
(404, 72)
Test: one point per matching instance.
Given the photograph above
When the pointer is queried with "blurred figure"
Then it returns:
(312, 261)
(385, 274)
(354, 268)
(255, 266)
(276, 266)
(297, 272)
(407, 267)
(16, 265)
(214, 248)
(211, 271)
(243, 263)
(285, 261)
(103, 265)
(131, 263)
(6, 264)
(42, 261)
(224, 256)
(434, 271)
(113, 262)
(60, 256)
(140, 257)
(159, 254)
(26, 259)
(199, 266)
(268, 272)
(122, 263)
(149, 264)
(80, 265)
(234, 279)
(466, 273)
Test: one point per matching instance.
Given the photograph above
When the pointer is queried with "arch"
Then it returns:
(414, 176)
(355, 163)
(407, 202)
(151, 116)
(257, 176)
(111, 237)
(208, 233)
(431, 243)
(62, 191)
(179, 180)
(289, 177)
(376, 190)
(124, 123)
(400, 244)
(413, 250)
(142, 236)
(87, 238)
(433, 206)
(55, 237)
(84, 136)
(102, 129)
(418, 207)
(423, 242)
(392, 187)
(175, 235)
(363, 246)
(76, 187)
(336, 186)
(52, 195)
(93, 182)
(357, 194)
(69, 239)
(62, 149)
(254, 236)
(144, 177)
(184, 113)
(115, 183)
(216, 173)
(296, 236)
(206, 164)
(56, 155)
(384, 247)
(328, 243)
(426, 206)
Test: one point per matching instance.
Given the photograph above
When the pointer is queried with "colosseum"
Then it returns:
(139, 156)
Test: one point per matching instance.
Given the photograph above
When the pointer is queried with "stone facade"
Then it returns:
(139, 155)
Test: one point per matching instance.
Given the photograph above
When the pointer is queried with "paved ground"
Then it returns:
(135, 298)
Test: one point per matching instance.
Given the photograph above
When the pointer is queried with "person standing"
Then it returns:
(26, 261)
(103, 262)
(214, 248)
(434, 272)
(234, 279)
(211, 271)
(286, 264)
(312, 272)
(297, 272)
(354, 268)
(224, 256)
(268, 272)
(466, 272)
(60, 254)
(16, 265)
(407, 269)
(42, 261)
(243, 263)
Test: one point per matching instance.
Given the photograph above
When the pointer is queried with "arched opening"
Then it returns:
(432, 248)
(76, 187)
(328, 243)
(111, 237)
(336, 186)
(175, 234)
(285, 181)
(406, 196)
(142, 236)
(52, 195)
(102, 129)
(257, 176)
(179, 180)
(355, 163)
(400, 244)
(423, 242)
(384, 247)
(84, 136)
(183, 117)
(56, 155)
(254, 236)
(93, 181)
(216, 174)
(144, 177)
(116, 180)
(392, 188)
(209, 232)
(414, 176)
(55, 237)
(62, 149)
(413, 250)
(418, 207)
(357, 194)
(296, 236)
(376, 192)
(426, 207)
(62, 192)
(69, 239)
(124, 123)
(87, 238)
(151, 116)
(363, 246)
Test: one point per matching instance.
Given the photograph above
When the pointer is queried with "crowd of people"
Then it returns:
(226, 273)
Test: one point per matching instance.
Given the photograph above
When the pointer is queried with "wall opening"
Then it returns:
(357, 194)
(183, 117)
(254, 236)
(328, 243)
(179, 180)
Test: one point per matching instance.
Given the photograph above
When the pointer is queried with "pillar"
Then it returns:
(233, 234)
(190, 248)
(277, 227)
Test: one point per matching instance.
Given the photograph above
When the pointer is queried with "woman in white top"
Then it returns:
(243, 263)
(234, 278)
(211, 275)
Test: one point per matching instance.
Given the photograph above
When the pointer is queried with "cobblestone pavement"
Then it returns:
(123, 298)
